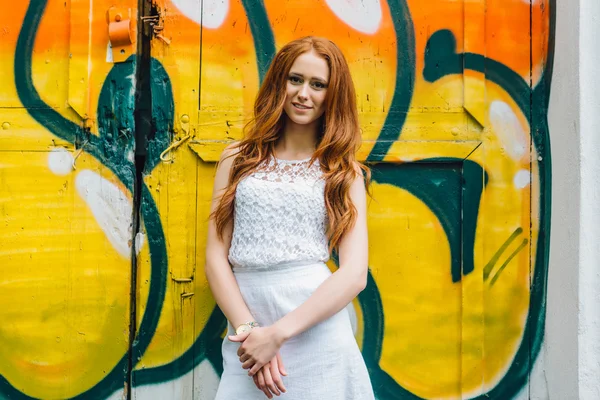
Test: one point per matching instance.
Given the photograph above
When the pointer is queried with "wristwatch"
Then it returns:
(246, 327)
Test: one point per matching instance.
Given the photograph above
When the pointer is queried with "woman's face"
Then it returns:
(306, 88)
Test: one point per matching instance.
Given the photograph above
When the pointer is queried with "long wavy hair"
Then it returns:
(337, 142)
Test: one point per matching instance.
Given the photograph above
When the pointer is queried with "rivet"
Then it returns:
(185, 118)
(5, 125)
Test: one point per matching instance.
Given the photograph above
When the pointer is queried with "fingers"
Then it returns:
(255, 368)
(255, 379)
(259, 381)
(282, 370)
(249, 363)
(269, 380)
(238, 338)
(274, 367)
(241, 351)
(244, 358)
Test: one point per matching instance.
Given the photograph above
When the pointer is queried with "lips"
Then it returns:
(301, 106)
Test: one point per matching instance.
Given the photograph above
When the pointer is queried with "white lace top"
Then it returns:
(280, 216)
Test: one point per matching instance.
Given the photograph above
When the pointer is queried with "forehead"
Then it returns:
(311, 65)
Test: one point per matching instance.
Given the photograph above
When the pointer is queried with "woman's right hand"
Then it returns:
(268, 378)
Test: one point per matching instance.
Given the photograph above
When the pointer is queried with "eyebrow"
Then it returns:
(314, 77)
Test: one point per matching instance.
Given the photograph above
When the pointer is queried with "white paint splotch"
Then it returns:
(199, 384)
(208, 13)
(362, 15)
(521, 179)
(111, 208)
(60, 161)
(508, 129)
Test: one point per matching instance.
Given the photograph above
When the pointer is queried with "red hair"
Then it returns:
(337, 143)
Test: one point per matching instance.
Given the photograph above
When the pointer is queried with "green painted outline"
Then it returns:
(262, 34)
(515, 378)
(489, 267)
(264, 43)
(122, 168)
(405, 80)
(472, 181)
(208, 339)
(534, 106)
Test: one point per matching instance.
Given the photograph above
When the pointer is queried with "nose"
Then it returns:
(303, 92)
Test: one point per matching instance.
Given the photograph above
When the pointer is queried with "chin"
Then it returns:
(302, 121)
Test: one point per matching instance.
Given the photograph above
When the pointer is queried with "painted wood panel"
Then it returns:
(452, 98)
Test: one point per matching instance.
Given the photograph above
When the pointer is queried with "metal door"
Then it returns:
(114, 113)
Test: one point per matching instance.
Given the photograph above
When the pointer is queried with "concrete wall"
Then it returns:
(453, 100)
(560, 347)
(572, 346)
(589, 230)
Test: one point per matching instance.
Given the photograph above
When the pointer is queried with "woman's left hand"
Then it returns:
(258, 348)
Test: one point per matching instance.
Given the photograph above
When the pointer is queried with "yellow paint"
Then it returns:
(64, 287)
(65, 299)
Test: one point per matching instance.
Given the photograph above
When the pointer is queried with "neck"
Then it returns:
(297, 141)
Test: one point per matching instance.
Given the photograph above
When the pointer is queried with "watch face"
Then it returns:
(242, 329)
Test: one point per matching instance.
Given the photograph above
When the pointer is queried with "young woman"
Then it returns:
(284, 197)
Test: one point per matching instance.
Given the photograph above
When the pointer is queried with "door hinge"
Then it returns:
(121, 33)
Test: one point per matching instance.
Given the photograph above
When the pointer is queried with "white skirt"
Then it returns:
(323, 362)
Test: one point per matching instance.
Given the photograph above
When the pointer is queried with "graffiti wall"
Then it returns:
(103, 292)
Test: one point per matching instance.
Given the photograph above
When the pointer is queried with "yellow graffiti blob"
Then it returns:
(65, 298)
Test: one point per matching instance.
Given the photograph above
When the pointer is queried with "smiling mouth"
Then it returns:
(301, 107)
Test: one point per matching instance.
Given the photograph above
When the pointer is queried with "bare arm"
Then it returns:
(343, 285)
(223, 285)
(335, 293)
(218, 272)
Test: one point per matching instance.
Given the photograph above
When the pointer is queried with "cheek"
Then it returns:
(290, 90)
(320, 100)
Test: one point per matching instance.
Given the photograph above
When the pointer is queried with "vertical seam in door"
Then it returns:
(531, 153)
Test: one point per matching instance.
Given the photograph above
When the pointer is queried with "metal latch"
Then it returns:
(154, 22)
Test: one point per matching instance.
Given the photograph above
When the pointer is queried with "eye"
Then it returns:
(295, 79)
(319, 85)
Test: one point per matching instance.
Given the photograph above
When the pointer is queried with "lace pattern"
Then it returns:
(280, 216)
(289, 171)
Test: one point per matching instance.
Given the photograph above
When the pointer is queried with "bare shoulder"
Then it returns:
(224, 166)
(358, 187)
(230, 151)
(228, 155)
(360, 170)
(357, 168)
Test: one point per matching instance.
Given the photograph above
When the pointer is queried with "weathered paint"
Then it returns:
(453, 106)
